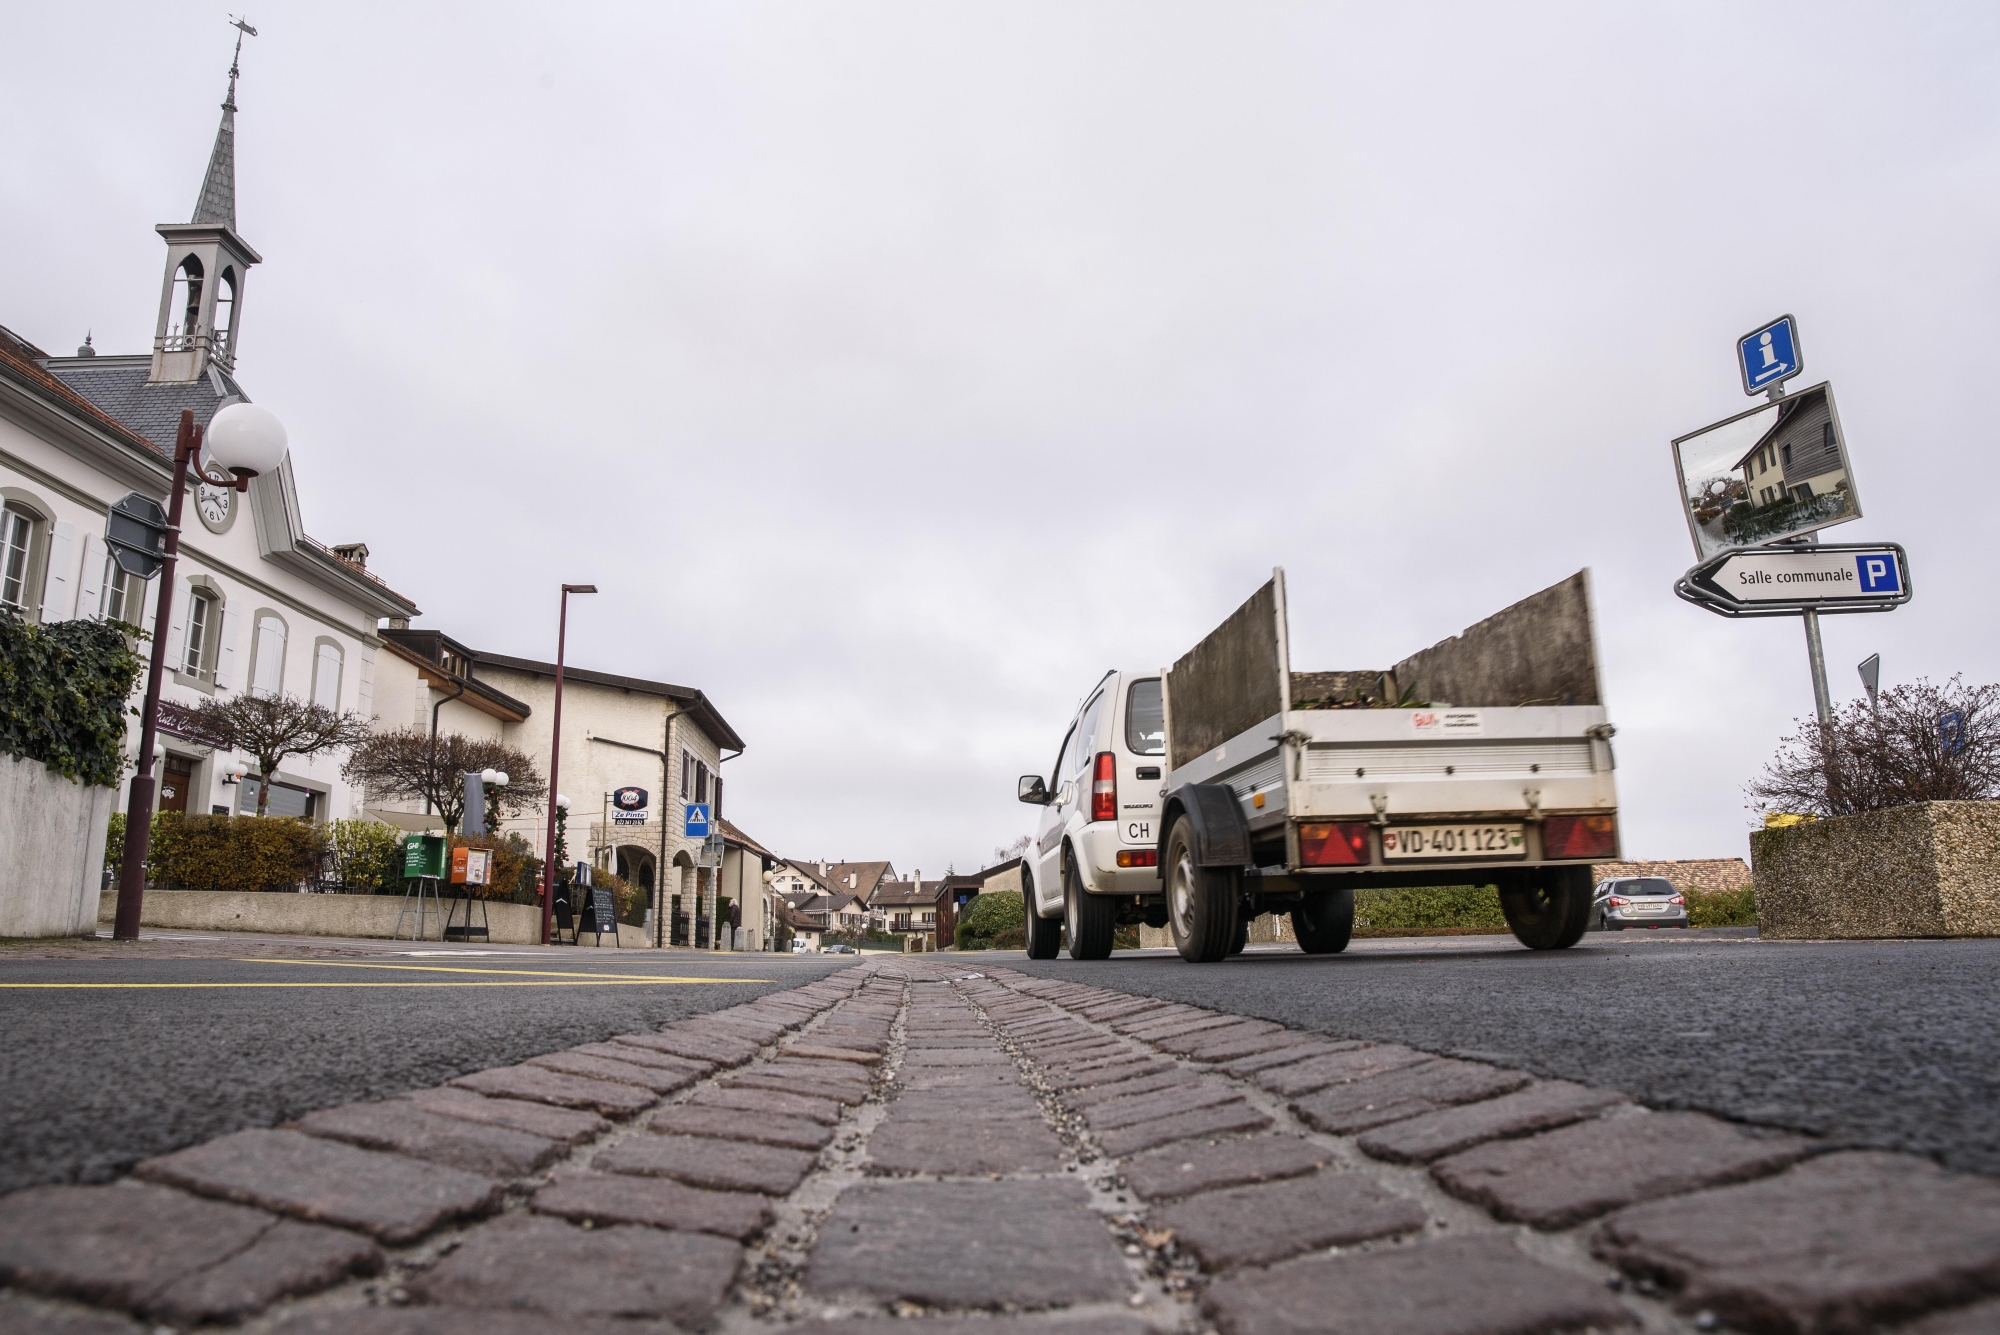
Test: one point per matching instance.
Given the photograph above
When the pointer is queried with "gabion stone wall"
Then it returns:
(1922, 870)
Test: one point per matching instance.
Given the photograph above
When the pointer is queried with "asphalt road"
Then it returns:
(121, 1054)
(1885, 1043)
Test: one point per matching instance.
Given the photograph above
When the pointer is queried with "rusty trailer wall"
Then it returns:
(1229, 682)
(1540, 651)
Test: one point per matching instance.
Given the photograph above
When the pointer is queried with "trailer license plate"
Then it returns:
(1452, 841)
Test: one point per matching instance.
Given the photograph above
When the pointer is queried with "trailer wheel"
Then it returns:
(1089, 920)
(1551, 912)
(1044, 934)
(1201, 901)
(1324, 923)
(1242, 937)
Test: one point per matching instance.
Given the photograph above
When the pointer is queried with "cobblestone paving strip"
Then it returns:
(968, 1151)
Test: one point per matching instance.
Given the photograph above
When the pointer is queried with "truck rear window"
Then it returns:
(1145, 719)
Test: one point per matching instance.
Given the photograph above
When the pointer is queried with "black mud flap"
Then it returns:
(1221, 838)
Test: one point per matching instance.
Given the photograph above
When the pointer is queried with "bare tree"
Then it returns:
(1923, 743)
(1013, 850)
(414, 765)
(272, 728)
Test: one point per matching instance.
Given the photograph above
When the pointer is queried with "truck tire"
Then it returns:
(1090, 921)
(1324, 923)
(1242, 937)
(1044, 934)
(1551, 912)
(1201, 901)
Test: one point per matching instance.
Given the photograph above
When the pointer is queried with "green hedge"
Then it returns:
(1465, 908)
(990, 916)
(233, 852)
(1722, 908)
(63, 689)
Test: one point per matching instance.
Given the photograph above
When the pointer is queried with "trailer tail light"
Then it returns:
(1579, 837)
(1138, 857)
(1104, 788)
(1331, 845)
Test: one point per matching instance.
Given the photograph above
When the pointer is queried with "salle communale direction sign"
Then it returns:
(1834, 578)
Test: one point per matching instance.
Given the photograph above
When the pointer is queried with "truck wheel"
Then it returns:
(1324, 923)
(1242, 937)
(1044, 934)
(1089, 920)
(1552, 912)
(1201, 901)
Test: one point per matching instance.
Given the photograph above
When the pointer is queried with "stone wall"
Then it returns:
(280, 914)
(1922, 870)
(1705, 874)
(51, 850)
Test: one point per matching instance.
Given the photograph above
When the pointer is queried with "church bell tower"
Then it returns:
(201, 299)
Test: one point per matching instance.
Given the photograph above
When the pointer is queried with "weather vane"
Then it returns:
(243, 29)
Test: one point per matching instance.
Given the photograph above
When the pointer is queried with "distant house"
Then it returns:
(914, 906)
(1798, 458)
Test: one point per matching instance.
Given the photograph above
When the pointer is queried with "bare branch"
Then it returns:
(272, 728)
(416, 766)
(1925, 744)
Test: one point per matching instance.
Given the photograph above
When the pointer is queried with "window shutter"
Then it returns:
(90, 596)
(225, 654)
(183, 594)
(270, 656)
(326, 677)
(59, 592)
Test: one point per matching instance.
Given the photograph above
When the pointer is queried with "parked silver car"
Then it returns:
(1638, 901)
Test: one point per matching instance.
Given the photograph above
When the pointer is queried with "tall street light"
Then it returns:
(243, 440)
(555, 756)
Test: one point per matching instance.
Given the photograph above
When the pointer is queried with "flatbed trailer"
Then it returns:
(1484, 759)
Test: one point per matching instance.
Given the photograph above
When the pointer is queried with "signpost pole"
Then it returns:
(1816, 655)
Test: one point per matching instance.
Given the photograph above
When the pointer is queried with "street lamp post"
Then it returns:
(243, 440)
(555, 757)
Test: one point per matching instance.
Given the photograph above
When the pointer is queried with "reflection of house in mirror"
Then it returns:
(1798, 459)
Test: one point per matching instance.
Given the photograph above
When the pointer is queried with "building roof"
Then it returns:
(867, 875)
(216, 205)
(807, 870)
(903, 894)
(425, 649)
(118, 385)
(733, 834)
(698, 705)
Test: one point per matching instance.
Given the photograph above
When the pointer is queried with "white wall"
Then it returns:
(52, 859)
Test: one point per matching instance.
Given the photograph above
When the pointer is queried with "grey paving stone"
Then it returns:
(1425, 1087)
(1337, 1068)
(616, 1072)
(968, 1147)
(1236, 1046)
(1127, 1024)
(1303, 1047)
(526, 1261)
(1222, 1034)
(990, 1055)
(538, 1084)
(1074, 1051)
(1183, 1170)
(935, 1042)
(763, 1077)
(396, 1199)
(741, 1029)
(1571, 1174)
(1172, 1077)
(289, 1260)
(1179, 1026)
(1273, 1221)
(792, 1133)
(1541, 1106)
(458, 1321)
(635, 1055)
(970, 1078)
(572, 1126)
(716, 1048)
(164, 1253)
(1837, 1243)
(402, 1127)
(829, 1052)
(1114, 1113)
(967, 1244)
(1117, 1008)
(22, 1315)
(1091, 1323)
(767, 1102)
(1221, 1120)
(660, 1202)
(1107, 1072)
(1001, 1103)
(1460, 1286)
(1978, 1319)
(700, 1162)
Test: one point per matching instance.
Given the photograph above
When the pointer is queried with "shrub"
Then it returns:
(1922, 743)
(511, 877)
(114, 840)
(233, 852)
(365, 856)
(63, 689)
(990, 915)
(1429, 908)
(1122, 938)
(1722, 908)
(1013, 938)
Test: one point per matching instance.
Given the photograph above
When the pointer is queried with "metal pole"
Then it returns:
(1816, 655)
(139, 803)
(555, 753)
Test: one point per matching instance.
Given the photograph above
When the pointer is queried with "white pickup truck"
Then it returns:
(1485, 759)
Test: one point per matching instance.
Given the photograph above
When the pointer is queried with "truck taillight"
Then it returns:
(1104, 788)
(1579, 837)
(1334, 845)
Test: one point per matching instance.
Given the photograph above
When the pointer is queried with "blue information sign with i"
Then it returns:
(1769, 355)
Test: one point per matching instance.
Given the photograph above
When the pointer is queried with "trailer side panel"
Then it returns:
(1229, 682)
(1540, 651)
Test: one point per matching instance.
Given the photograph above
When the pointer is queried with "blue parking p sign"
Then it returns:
(1770, 355)
(697, 820)
(1878, 572)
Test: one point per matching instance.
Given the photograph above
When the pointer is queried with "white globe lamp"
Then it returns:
(246, 440)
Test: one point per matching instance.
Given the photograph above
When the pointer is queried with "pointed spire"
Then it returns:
(217, 204)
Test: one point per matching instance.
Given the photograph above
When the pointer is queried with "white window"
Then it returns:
(267, 655)
(122, 593)
(200, 630)
(17, 551)
(326, 675)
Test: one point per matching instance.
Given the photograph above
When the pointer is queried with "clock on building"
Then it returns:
(215, 505)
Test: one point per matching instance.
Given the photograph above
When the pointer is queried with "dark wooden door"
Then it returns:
(175, 784)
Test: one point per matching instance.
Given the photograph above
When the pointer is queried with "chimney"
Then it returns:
(354, 553)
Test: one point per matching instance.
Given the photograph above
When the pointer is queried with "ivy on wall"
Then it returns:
(63, 693)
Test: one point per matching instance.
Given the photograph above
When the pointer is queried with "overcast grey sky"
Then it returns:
(895, 369)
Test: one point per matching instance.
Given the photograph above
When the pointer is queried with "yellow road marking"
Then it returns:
(516, 973)
(540, 982)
